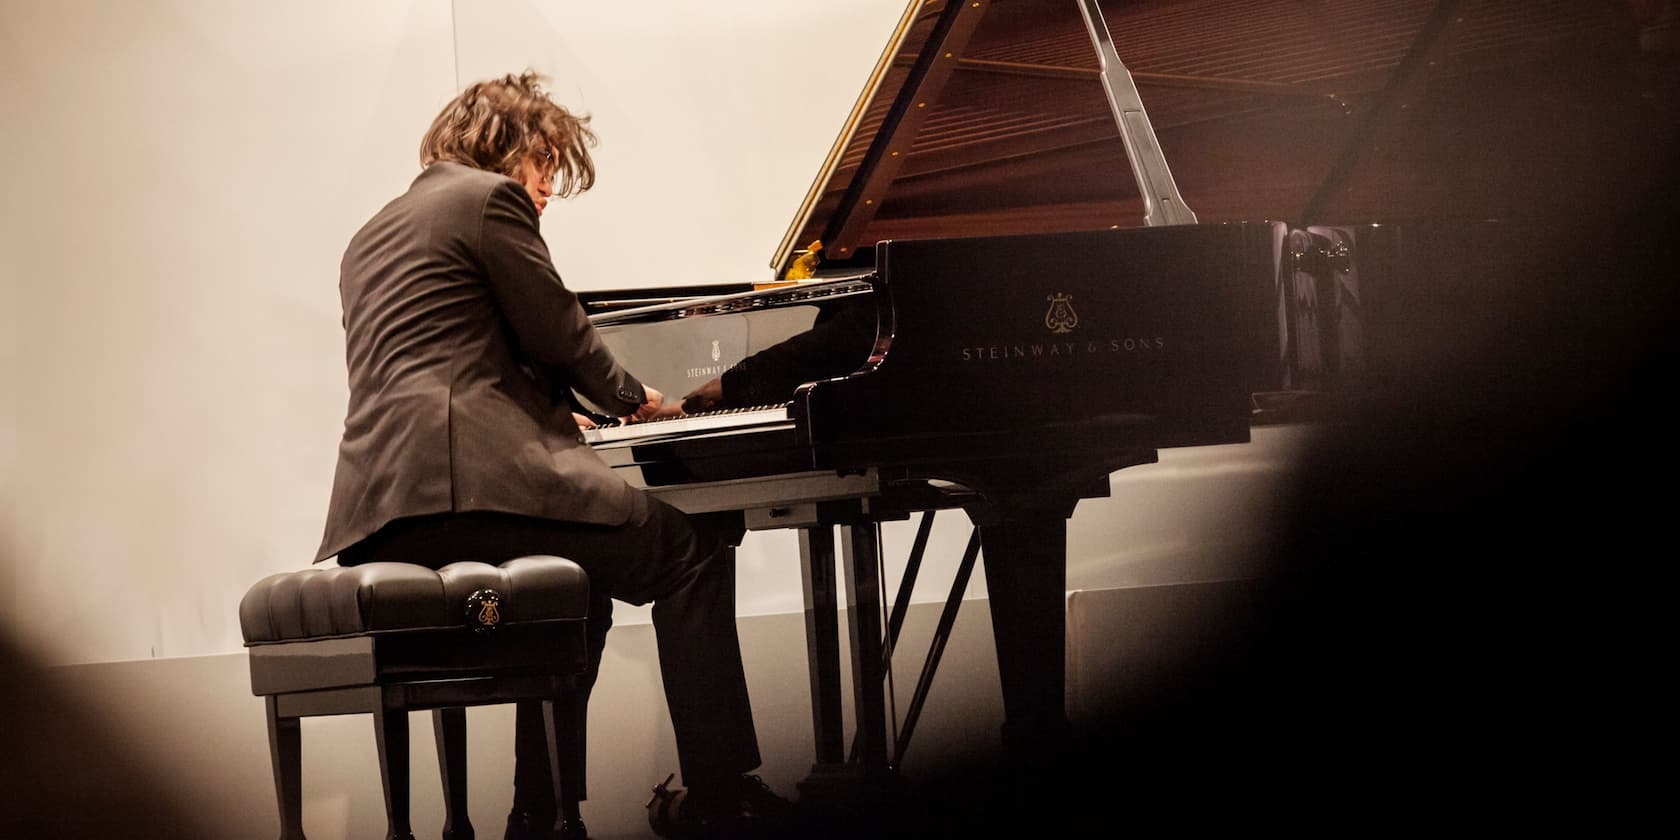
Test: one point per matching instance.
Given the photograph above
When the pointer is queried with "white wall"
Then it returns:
(189, 172)
(182, 177)
(9, 270)
(713, 119)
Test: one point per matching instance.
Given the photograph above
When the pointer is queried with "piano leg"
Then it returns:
(863, 608)
(822, 642)
(1026, 582)
(844, 785)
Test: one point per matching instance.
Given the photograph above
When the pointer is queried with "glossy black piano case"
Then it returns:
(1147, 337)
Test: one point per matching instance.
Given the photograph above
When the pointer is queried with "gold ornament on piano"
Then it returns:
(804, 266)
(1061, 318)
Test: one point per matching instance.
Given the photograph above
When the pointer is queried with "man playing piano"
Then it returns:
(462, 345)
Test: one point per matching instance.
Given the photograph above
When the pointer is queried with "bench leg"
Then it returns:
(563, 717)
(450, 727)
(390, 727)
(285, 748)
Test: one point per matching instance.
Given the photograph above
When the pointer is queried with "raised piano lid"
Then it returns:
(1345, 112)
(984, 118)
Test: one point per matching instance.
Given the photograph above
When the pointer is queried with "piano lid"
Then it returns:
(982, 117)
(1348, 110)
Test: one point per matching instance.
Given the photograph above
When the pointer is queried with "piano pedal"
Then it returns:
(664, 808)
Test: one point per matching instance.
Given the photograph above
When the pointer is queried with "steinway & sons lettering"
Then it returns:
(713, 371)
(707, 371)
(1062, 349)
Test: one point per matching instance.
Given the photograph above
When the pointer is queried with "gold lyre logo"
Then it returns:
(484, 609)
(1061, 318)
(716, 353)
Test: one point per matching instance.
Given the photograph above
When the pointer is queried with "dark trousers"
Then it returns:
(684, 565)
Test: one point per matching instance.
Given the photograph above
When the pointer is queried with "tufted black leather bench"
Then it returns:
(389, 638)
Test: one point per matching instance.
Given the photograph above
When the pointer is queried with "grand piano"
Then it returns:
(994, 296)
(1004, 370)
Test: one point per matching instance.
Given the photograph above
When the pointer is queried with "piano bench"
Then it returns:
(389, 638)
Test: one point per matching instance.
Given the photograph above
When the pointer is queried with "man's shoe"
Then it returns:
(523, 825)
(739, 806)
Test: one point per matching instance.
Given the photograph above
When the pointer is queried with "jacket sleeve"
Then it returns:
(547, 320)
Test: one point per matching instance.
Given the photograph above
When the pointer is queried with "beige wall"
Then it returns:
(713, 119)
(9, 271)
(182, 176)
(190, 171)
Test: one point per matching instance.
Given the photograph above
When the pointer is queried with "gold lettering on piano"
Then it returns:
(1139, 346)
(708, 371)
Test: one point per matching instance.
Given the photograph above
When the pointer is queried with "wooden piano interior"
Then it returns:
(1344, 111)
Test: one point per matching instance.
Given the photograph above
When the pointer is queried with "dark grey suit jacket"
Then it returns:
(458, 336)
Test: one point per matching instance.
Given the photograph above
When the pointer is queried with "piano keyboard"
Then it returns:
(734, 418)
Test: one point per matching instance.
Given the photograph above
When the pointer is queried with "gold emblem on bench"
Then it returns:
(484, 609)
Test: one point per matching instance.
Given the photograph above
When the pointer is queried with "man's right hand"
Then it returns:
(704, 398)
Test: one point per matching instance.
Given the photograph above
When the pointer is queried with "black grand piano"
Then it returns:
(1005, 371)
(994, 296)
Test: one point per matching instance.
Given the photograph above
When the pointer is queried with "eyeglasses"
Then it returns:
(550, 165)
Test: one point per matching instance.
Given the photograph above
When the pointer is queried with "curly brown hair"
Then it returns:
(496, 124)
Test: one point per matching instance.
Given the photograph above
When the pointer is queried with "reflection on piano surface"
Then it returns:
(993, 329)
(737, 358)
